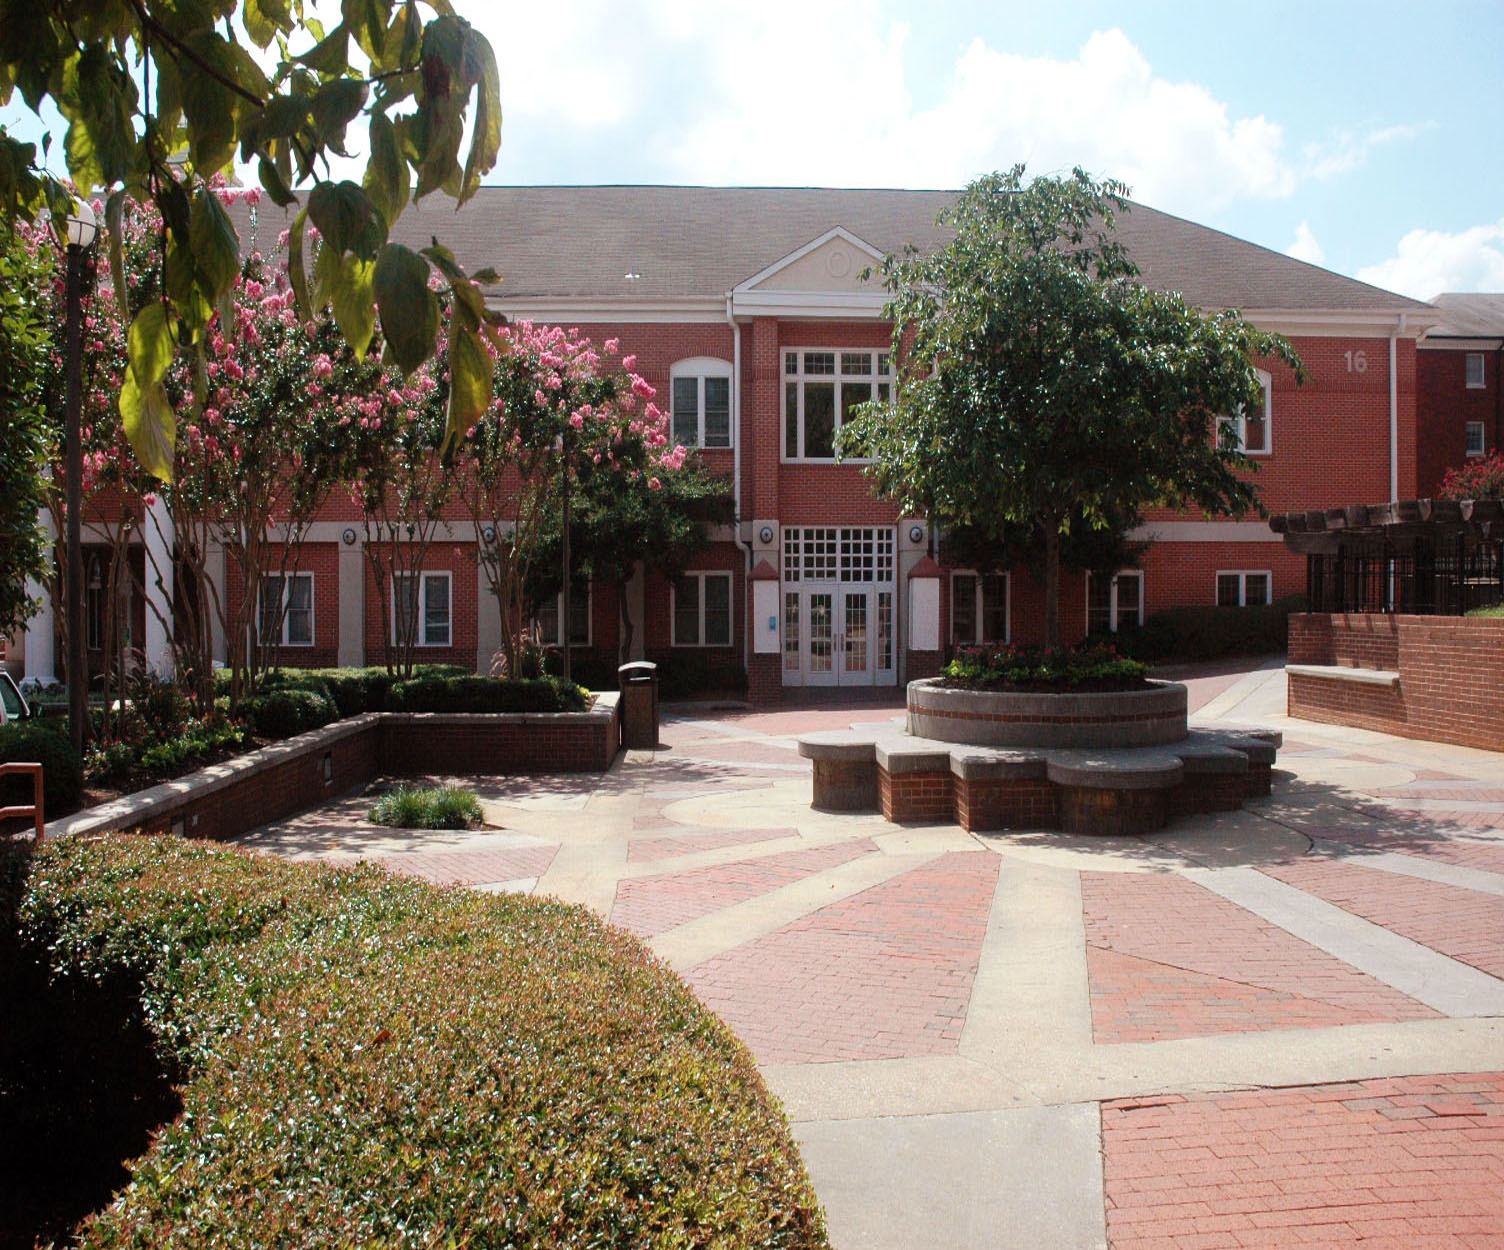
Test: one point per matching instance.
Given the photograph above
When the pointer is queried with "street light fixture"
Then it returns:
(78, 233)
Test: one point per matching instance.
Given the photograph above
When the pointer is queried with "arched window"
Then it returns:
(700, 400)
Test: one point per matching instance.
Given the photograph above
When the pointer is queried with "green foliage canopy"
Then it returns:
(1042, 384)
(161, 98)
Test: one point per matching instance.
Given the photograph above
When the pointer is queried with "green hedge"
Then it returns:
(282, 713)
(484, 694)
(44, 742)
(368, 1060)
(1209, 633)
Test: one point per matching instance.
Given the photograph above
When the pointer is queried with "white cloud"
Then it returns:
(1428, 262)
(1305, 247)
(1348, 151)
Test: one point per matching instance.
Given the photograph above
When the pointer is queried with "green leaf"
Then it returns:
(329, 56)
(367, 19)
(345, 282)
(335, 105)
(216, 247)
(347, 219)
(409, 310)
(150, 426)
(297, 271)
(470, 379)
(386, 180)
(149, 345)
(275, 185)
(485, 139)
(114, 214)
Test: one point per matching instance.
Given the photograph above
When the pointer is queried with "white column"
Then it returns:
(352, 603)
(39, 651)
(160, 540)
(487, 620)
(214, 570)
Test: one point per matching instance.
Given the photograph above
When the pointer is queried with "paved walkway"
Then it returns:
(1282, 1026)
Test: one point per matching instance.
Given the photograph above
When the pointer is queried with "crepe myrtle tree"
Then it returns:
(564, 406)
(1040, 383)
(160, 98)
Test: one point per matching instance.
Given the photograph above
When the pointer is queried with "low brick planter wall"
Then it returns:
(226, 800)
(1449, 675)
(1129, 718)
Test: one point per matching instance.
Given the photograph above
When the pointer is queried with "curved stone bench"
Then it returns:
(1103, 790)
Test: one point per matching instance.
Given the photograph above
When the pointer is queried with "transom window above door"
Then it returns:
(821, 388)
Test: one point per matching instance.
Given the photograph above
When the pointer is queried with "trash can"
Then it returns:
(639, 705)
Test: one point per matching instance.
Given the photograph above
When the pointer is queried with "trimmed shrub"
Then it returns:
(428, 807)
(370, 1060)
(285, 712)
(110, 763)
(1209, 633)
(484, 694)
(46, 743)
(1093, 665)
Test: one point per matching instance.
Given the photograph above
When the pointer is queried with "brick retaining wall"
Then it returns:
(1451, 675)
(229, 799)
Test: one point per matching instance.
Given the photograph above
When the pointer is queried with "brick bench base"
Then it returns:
(1106, 792)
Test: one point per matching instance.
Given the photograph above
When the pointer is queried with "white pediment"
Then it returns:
(830, 263)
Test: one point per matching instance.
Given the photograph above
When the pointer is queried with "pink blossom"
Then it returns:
(629, 362)
(654, 484)
(610, 346)
(577, 421)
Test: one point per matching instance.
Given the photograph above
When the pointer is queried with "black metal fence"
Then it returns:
(1447, 579)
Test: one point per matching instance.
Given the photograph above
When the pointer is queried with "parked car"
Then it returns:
(13, 705)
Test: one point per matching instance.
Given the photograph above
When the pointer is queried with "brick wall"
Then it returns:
(1444, 406)
(1451, 673)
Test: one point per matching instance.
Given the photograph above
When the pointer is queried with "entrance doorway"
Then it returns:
(839, 627)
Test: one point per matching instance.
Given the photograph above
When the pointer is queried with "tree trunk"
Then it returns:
(1051, 583)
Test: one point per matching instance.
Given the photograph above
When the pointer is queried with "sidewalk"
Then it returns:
(1272, 1027)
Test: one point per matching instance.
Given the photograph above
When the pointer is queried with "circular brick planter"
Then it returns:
(1128, 718)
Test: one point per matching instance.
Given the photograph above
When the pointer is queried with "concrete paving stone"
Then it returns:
(993, 1180)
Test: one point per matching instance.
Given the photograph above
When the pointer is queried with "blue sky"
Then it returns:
(1365, 137)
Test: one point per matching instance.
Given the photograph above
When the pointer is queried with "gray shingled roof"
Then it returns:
(696, 243)
(1466, 316)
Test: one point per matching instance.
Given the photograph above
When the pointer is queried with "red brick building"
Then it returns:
(1460, 403)
(750, 311)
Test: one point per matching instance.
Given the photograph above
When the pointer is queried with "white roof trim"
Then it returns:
(848, 304)
(1461, 342)
(837, 232)
(1357, 323)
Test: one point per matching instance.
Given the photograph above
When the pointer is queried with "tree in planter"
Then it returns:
(405, 478)
(557, 411)
(619, 520)
(1041, 384)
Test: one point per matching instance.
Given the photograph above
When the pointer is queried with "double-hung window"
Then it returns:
(286, 610)
(702, 610)
(1477, 437)
(1239, 589)
(1251, 430)
(421, 602)
(700, 396)
(551, 611)
(1114, 602)
(820, 390)
(1475, 379)
(978, 608)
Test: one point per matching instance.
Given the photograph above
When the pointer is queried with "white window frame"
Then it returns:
(700, 368)
(1112, 606)
(287, 579)
(1480, 447)
(558, 635)
(980, 606)
(873, 377)
(1239, 423)
(701, 576)
(1243, 575)
(423, 575)
(1478, 381)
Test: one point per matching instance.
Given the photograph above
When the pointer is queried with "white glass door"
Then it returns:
(856, 651)
(820, 667)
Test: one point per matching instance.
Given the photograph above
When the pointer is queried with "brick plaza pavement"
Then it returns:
(1277, 1027)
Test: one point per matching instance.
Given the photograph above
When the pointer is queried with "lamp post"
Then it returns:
(80, 228)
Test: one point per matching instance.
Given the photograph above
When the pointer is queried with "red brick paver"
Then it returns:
(884, 974)
(1463, 852)
(650, 905)
(1467, 925)
(1167, 958)
(473, 867)
(1396, 1164)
